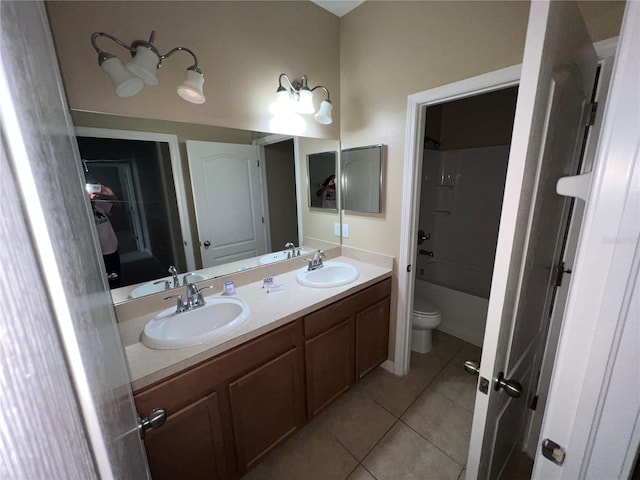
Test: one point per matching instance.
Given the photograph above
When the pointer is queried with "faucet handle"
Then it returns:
(167, 285)
(180, 307)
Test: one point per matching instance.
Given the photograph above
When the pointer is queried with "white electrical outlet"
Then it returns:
(336, 229)
(345, 230)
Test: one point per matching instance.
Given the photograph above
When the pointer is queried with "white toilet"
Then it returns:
(426, 317)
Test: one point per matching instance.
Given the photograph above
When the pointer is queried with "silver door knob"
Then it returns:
(207, 244)
(510, 387)
(156, 419)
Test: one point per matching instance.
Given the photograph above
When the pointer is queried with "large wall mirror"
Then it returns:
(208, 201)
(361, 173)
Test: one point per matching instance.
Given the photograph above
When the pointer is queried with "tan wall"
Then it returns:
(392, 49)
(242, 47)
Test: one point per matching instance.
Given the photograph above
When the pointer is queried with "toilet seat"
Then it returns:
(424, 308)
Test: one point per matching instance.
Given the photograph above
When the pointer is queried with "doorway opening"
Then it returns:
(464, 167)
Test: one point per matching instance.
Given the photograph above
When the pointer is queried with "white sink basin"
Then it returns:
(169, 330)
(158, 285)
(332, 274)
(278, 256)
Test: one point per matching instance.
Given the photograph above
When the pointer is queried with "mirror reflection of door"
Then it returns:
(321, 168)
(227, 196)
(148, 228)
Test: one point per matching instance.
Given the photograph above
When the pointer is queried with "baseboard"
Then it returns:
(389, 366)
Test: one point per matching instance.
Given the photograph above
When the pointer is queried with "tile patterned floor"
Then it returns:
(388, 427)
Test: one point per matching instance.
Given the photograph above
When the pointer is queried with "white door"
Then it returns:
(67, 405)
(558, 73)
(227, 195)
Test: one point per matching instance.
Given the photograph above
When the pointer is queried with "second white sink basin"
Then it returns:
(279, 256)
(169, 330)
(332, 274)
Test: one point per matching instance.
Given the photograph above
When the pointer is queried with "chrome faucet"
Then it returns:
(292, 253)
(194, 298)
(174, 274)
(316, 261)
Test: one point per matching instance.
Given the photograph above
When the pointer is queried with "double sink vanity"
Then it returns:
(275, 356)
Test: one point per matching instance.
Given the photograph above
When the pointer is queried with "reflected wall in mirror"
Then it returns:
(322, 170)
(164, 210)
(362, 179)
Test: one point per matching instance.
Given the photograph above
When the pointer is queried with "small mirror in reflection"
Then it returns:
(321, 168)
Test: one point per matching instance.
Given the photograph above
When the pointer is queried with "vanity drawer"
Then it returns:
(174, 393)
(331, 315)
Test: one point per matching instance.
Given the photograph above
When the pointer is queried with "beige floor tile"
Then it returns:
(357, 422)
(467, 352)
(361, 473)
(396, 393)
(456, 384)
(442, 422)
(403, 454)
(444, 345)
(312, 454)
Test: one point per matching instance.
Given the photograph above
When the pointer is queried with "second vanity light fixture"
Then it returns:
(129, 79)
(299, 99)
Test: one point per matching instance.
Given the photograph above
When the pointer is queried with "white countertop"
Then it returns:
(268, 311)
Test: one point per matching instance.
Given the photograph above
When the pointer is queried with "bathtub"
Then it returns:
(461, 293)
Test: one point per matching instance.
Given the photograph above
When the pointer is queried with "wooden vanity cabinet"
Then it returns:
(225, 414)
(343, 342)
(228, 412)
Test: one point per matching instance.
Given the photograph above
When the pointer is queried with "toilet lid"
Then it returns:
(424, 307)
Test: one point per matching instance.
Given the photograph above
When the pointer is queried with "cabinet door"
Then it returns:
(189, 445)
(372, 336)
(267, 406)
(329, 365)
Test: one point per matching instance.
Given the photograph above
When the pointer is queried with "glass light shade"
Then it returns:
(191, 88)
(282, 96)
(305, 102)
(324, 114)
(144, 65)
(126, 83)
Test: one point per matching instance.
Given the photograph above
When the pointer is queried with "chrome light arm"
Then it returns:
(195, 67)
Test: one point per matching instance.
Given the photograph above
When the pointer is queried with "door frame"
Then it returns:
(176, 168)
(416, 114)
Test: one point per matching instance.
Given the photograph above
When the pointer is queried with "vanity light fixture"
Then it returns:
(129, 79)
(299, 99)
